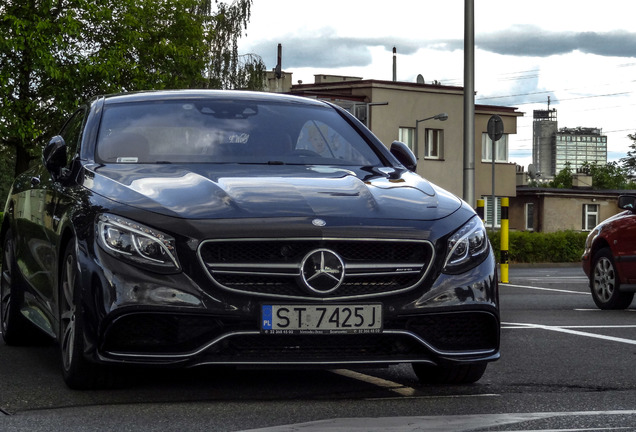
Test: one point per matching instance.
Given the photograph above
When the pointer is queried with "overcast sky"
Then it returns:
(580, 53)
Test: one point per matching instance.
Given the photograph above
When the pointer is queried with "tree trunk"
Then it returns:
(22, 159)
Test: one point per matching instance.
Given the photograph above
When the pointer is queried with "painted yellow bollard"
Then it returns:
(504, 240)
(480, 208)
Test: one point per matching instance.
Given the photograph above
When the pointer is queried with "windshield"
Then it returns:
(229, 131)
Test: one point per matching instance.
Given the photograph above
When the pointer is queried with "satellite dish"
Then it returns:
(420, 79)
(532, 171)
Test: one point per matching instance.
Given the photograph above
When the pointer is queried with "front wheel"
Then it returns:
(449, 374)
(605, 283)
(78, 372)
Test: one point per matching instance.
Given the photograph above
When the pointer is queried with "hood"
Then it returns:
(261, 191)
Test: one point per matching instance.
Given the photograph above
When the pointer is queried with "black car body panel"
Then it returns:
(272, 191)
(242, 236)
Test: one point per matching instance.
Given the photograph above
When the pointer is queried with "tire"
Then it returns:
(78, 372)
(605, 283)
(449, 374)
(16, 330)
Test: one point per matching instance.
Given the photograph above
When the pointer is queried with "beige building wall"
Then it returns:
(505, 173)
(404, 109)
(560, 210)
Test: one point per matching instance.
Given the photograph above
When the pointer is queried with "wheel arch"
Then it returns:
(599, 243)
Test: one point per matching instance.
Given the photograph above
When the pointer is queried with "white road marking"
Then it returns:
(600, 310)
(581, 278)
(567, 330)
(443, 423)
(544, 289)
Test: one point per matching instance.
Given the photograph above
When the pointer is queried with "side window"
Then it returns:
(501, 149)
(72, 134)
(488, 211)
(406, 135)
(529, 216)
(434, 144)
(590, 216)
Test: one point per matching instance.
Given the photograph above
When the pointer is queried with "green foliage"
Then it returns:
(563, 180)
(535, 247)
(54, 54)
(609, 176)
(7, 162)
(629, 162)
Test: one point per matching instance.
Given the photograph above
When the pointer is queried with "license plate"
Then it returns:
(320, 319)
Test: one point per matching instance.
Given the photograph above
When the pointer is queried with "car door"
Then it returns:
(624, 247)
(40, 206)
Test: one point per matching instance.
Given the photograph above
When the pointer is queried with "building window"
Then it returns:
(434, 144)
(590, 216)
(488, 211)
(501, 149)
(406, 135)
(529, 216)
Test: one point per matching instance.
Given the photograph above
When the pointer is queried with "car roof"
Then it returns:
(240, 95)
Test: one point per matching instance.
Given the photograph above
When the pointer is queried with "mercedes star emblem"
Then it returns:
(322, 271)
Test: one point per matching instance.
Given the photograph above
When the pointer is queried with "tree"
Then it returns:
(563, 180)
(629, 162)
(56, 53)
(226, 68)
(608, 176)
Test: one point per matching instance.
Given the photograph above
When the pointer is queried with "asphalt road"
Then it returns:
(565, 366)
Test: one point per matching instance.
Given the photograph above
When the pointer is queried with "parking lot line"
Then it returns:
(398, 388)
(545, 289)
(570, 331)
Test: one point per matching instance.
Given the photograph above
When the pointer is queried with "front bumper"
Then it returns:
(179, 321)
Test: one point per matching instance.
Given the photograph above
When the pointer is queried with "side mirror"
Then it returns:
(54, 157)
(627, 202)
(404, 155)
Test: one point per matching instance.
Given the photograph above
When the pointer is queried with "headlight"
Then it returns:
(132, 241)
(590, 238)
(467, 247)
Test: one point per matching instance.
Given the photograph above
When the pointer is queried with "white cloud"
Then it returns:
(581, 54)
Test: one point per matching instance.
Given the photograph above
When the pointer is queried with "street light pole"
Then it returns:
(440, 117)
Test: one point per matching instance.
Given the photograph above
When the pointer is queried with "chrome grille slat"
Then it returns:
(373, 267)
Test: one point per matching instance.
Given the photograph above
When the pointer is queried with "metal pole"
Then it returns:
(493, 211)
(469, 102)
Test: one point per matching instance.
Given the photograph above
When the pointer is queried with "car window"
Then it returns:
(72, 134)
(229, 131)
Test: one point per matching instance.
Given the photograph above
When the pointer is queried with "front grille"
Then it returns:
(272, 267)
(316, 348)
(237, 340)
(454, 331)
(164, 333)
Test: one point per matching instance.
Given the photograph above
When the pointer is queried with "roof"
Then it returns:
(375, 83)
(541, 191)
(242, 95)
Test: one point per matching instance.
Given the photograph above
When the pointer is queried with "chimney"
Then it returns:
(394, 64)
(279, 66)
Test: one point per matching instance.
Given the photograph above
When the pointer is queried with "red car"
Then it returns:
(609, 259)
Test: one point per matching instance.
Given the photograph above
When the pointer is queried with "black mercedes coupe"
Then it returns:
(201, 227)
